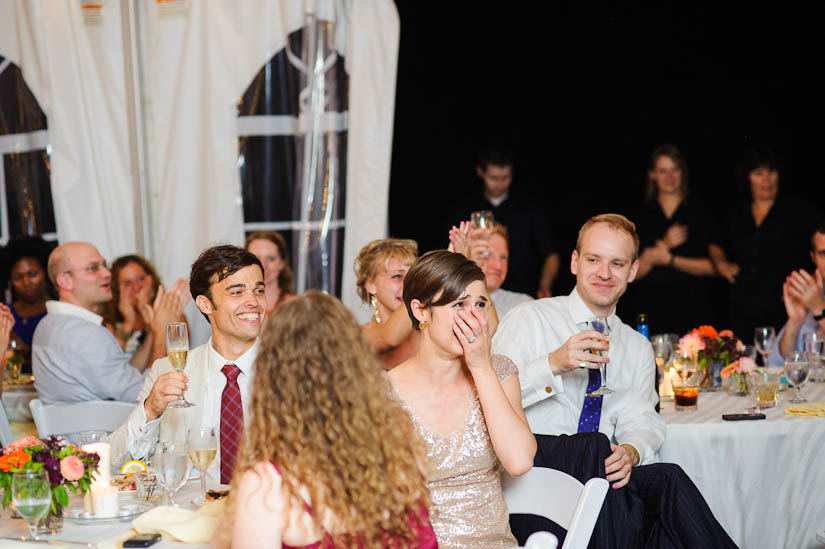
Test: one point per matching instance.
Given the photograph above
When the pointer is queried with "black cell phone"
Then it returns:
(742, 417)
(142, 540)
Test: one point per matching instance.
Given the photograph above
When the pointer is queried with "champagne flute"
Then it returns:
(765, 339)
(600, 325)
(172, 468)
(32, 496)
(203, 446)
(177, 348)
(483, 223)
(796, 370)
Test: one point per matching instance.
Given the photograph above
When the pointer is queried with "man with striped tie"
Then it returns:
(228, 287)
(555, 343)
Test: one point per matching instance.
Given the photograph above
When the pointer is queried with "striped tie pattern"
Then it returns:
(231, 421)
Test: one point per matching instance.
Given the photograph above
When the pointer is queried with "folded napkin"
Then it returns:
(812, 409)
(177, 524)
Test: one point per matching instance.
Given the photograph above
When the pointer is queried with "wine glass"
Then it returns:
(171, 464)
(600, 325)
(662, 349)
(203, 446)
(32, 496)
(814, 344)
(765, 339)
(177, 348)
(483, 224)
(796, 370)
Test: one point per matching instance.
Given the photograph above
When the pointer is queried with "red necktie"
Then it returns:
(231, 421)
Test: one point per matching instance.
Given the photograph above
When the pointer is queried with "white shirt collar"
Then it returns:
(65, 308)
(246, 362)
(498, 200)
(581, 313)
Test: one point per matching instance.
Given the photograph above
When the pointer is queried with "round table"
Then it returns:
(762, 479)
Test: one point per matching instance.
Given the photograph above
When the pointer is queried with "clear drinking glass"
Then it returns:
(766, 387)
(177, 348)
(764, 338)
(796, 370)
(686, 381)
(662, 350)
(90, 437)
(203, 446)
(483, 224)
(600, 325)
(171, 463)
(32, 496)
(814, 344)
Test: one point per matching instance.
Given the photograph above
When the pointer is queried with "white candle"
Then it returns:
(666, 387)
(103, 449)
(105, 501)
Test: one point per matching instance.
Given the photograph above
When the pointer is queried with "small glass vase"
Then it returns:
(51, 523)
(711, 377)
(739, 384)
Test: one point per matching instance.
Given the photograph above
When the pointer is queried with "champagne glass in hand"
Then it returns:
(32, 496)
(600, 325)
(177, 349)
(483, 227)
(203, 446)
(796, 369)
(765, 339)
(172, 467)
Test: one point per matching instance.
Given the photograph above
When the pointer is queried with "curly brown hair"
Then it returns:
(321, 411)
(374, 256)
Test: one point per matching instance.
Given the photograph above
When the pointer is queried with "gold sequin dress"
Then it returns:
(465, 487)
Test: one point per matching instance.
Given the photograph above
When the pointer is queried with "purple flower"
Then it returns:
(52, 465)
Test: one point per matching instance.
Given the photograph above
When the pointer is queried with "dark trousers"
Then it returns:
(659, 507)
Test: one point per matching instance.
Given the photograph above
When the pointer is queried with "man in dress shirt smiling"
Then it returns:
(76, 359)
(228, 287)
(551, 342)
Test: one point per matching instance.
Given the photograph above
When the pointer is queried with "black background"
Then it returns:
(583, 92)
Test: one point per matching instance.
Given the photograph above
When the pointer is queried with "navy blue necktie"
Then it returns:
(592, 407)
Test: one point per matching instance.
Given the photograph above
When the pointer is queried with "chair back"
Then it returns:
(69, 419)
(557, 496)
(6, 437)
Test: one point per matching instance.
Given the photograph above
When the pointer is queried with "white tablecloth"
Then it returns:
(16, 403)
(104, 536)
(764, 480)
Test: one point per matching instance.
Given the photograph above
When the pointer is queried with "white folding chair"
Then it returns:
(541, 540)
(6, 437)
(559, 497)
(69, 419)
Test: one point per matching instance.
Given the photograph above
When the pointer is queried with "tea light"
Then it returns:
(666, 387)
(102, 479)
(105, 501)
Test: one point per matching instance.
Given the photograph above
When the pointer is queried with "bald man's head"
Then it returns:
(79, 273)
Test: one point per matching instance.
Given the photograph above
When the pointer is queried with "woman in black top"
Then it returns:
(674, 231)
(767, 237)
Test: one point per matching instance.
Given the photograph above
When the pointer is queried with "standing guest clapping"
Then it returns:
(672, 285)
(463, 402)
(328, 458)
(76, 359)
(380, 269)
(270, 248)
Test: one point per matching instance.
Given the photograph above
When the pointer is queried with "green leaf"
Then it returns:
(72, 487)
(59, 493)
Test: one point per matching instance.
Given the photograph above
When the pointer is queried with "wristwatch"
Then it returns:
(820, 316)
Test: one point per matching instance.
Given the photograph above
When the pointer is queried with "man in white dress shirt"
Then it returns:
(75, 358)
(228, 287)
(551, 341)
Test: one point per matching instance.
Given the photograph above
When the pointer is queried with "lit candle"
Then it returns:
(102, 449)
(666, 387)
(105, 501)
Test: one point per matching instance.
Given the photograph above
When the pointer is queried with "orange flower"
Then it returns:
(708, 332)
(726, 333)
(15, 460)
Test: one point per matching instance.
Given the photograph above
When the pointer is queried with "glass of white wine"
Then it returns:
(32, 496)
(203, 446)
(600, 325)
(177, 348)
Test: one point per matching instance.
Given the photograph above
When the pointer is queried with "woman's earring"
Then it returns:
(374, 303)
(422, 324)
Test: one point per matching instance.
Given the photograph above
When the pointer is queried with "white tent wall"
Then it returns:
(195, 65)
(76, 72)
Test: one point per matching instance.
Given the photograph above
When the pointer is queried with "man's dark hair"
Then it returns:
(220, 261)
(495, 155)
(820, 229)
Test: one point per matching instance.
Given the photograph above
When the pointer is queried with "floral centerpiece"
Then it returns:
(66, 465)
(739, 371)
(712, 351)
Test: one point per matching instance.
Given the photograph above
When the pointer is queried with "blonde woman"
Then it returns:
(380, 269)
(328, 458)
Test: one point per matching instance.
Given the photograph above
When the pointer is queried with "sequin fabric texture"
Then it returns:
(464, 482)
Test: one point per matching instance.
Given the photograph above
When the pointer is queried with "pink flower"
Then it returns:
(691, 343)
(746, 364)
(726, 333)
(25, 442)
(72, 468)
